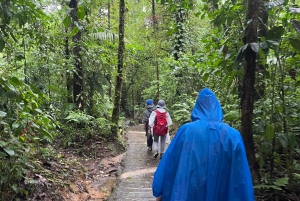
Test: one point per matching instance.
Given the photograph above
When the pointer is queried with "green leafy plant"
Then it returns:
(23, 126)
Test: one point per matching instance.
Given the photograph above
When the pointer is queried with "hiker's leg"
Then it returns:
(146, 128)
(155, 143)
(162, 144)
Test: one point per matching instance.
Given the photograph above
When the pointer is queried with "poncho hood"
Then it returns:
(207, 107)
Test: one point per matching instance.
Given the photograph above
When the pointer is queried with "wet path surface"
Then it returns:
(135, 181)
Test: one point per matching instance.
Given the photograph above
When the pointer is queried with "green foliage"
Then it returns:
(279, 184)
(79, 118)
(182, 111)
(23, 126)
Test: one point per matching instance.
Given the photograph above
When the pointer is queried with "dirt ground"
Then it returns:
(75, 174)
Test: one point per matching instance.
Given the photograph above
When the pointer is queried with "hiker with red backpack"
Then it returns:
(159, 122)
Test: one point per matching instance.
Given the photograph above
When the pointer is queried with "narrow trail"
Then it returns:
(135, 181)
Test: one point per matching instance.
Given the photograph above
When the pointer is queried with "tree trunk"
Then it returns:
(108, 15)
(119, 81)
(78, 76)
(262, 33)
(154, 22)
(248, 88)
(69, 79)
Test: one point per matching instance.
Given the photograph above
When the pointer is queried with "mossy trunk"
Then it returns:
(119, 81)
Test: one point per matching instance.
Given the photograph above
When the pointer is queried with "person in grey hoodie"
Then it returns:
(149, 108)
(161, 107)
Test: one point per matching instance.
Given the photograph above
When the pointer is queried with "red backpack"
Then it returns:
(160, 124)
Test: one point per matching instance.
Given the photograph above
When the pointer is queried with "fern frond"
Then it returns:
(105, 36)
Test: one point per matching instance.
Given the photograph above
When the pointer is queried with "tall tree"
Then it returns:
(119, 79)
(154, 23)
(248, 90)
(78, 75)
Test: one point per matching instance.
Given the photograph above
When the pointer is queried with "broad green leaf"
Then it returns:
(19, 129)
(2, 114)
(2, 43)
(46, 134)
(295, 43)
(9, 151)
(270, 131)
(205, 77)
(170, 32)
(74, 31)
(275, 33)
(38, 111)
(16, 81)
(80, 12)
(67, 21)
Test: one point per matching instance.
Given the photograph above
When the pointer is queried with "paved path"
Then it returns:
(139, 165)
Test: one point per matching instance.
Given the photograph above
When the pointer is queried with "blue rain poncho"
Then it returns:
(206, 160)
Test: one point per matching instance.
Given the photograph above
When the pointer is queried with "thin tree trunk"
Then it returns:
(69, 79)
(108, 15)
(262, 33)
(78, 75)
(154, 23)
(119, 81)
(248, 88)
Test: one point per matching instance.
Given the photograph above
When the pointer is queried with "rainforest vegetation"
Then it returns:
(76, 70)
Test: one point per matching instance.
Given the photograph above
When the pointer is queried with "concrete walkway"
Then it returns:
(135, 181)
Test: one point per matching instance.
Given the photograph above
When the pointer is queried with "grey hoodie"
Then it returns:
(147, 112)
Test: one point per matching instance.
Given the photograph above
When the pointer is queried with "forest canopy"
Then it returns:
(70, 70)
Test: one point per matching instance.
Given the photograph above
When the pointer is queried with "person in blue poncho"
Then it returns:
(206, 160)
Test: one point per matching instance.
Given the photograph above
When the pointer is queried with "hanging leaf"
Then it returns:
(270, 131)
(295, 43)
(274, 3)
(2, 43)
(294, 10)
(240, 54)
(254, 47)
(296, 25)
(80, 12)
(67, 21)
(275, 33)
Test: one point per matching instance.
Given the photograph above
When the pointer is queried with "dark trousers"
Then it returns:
(149, 136)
